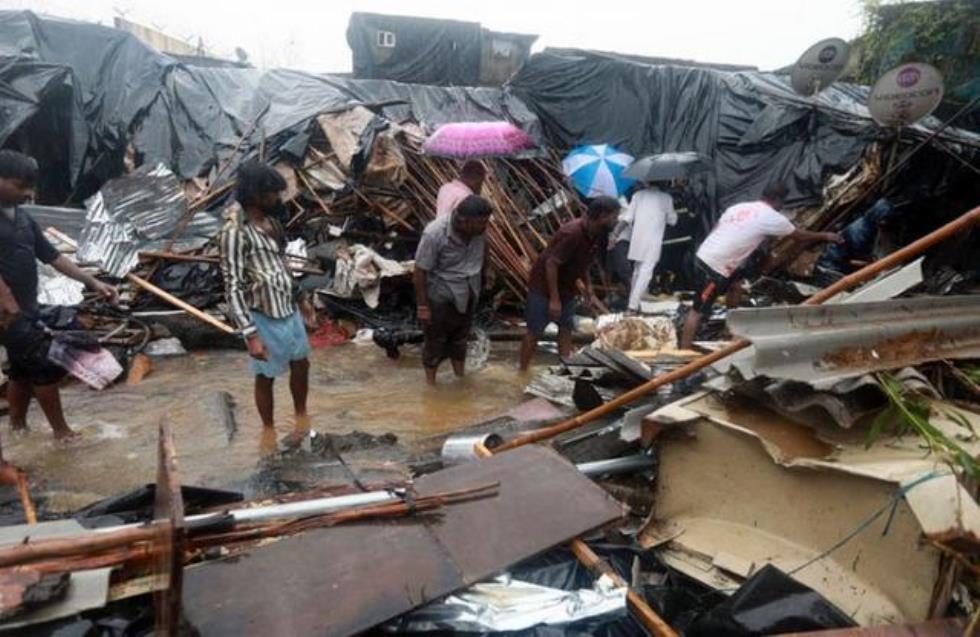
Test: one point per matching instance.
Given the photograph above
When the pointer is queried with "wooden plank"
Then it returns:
(522, 516)
(168, 507)
(346, 579)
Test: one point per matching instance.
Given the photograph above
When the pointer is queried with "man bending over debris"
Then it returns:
(448, 277)
(559, 270)
(470, 182)
(21, 242)
(739, 231)
(259, 289)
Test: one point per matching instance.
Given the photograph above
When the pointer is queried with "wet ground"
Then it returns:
(352, 387)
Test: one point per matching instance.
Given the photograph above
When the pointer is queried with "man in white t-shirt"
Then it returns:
(741, 229)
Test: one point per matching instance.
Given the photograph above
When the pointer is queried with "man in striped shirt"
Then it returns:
(259, 291)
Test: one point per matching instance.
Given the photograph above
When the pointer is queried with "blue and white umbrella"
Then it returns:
(598, 170)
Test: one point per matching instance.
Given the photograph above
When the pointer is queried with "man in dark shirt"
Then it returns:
(21, 242)
(559, 270)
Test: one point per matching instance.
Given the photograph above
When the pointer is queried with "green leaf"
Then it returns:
(881, 422)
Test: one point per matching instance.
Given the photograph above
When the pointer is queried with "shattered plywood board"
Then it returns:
(753, 485)
(345, 579)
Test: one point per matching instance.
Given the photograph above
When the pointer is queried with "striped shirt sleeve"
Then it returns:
(232, 247)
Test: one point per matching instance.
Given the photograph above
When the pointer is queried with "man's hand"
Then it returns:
(106, 291)
(554, 309)
(256, 348)
(832, 237)
(9, 311)
(424, 314)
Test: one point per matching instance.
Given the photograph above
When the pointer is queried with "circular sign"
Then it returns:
(906, 94)
(819, 66)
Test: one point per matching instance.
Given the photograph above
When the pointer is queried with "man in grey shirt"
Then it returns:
(448, 277)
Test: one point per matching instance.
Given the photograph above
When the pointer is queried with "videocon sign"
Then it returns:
(906, 94)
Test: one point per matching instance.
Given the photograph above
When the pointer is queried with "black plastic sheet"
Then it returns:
(751, 125)
(76, 95)
(422, 51)
(770, 603)
(199, 284)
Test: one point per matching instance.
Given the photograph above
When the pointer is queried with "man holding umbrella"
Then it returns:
(649, 213)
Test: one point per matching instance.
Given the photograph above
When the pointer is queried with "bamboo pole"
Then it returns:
(914, 249)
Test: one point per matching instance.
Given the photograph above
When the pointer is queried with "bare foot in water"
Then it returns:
(268, 444)
(66, 435)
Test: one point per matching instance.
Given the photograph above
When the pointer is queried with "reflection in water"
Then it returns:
(351, 387)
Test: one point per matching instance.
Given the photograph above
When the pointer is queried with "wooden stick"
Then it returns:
(72, 547)
(30, 513)
(914, 249)
(312, 191)
(149, 287)
(187, 307)
(587, 557)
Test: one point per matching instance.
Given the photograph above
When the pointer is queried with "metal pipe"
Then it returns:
(616, 466)
(303, 508)
(461, 448)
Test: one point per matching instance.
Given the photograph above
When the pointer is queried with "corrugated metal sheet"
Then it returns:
(69, 221)
(820, 343)
(139, 211)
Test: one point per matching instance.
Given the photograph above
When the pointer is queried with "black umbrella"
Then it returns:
(666, 166)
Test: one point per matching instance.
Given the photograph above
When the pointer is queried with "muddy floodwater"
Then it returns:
(352, 387)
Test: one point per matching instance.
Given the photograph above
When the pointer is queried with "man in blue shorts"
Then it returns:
(558, 272)
(259, 290)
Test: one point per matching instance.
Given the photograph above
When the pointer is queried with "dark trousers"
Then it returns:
(618, 263)
(446, 334)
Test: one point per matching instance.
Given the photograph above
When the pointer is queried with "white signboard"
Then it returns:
(819, 66)
(906, 94)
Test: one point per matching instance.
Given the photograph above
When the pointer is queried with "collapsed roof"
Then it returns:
(77, 95)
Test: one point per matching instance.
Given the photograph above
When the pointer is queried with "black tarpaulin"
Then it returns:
(416, 50)
(288, 99)
(75, 95)
(770, 603)
(751, 125)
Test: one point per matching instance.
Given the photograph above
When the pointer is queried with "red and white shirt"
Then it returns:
(739, 232)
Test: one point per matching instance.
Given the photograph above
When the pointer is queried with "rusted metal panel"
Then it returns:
(821, 343)
(343, 580)
(335, 581)
(533, 509)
